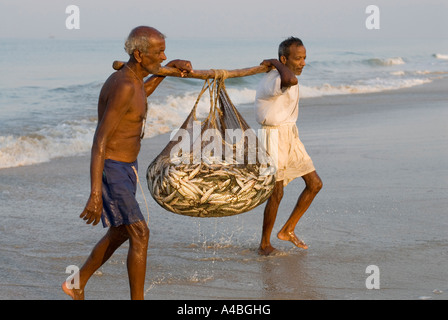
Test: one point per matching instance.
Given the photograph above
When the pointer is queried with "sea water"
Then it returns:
(48, 99)
(49, 87)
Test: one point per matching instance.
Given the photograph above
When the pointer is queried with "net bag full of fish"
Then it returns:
(214, 167)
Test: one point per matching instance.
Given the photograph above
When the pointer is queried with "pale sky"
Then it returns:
(225, 18)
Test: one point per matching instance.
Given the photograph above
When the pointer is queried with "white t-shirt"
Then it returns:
(274, 106)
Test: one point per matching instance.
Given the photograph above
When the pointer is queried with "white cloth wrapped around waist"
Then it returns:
(288, 153)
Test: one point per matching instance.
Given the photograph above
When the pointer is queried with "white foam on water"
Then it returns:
(386, 61)
(371, 86)
(440, 56)
(65, 139)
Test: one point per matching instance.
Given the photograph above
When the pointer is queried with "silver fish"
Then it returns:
(207, 190)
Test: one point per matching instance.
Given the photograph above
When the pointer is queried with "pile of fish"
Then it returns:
(208, 190)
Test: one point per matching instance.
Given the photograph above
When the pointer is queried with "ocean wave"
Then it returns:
(76, 88)
(418, 73)
(440, 56)
(375, 85)
(385, 61)
(398, 73)
(71, 138)
(63, 140)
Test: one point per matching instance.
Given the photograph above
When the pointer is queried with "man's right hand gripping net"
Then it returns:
(215, 167)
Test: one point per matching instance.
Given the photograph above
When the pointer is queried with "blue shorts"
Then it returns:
(119, 187)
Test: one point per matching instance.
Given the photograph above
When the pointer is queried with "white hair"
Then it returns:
(138, 41)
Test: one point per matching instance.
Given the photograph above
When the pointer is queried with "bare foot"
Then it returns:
(76, 294)
(290, 236)
(265, 251)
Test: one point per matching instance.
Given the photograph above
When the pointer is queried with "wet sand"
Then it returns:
(383, 161)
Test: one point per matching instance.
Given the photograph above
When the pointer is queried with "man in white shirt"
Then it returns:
(277, 110)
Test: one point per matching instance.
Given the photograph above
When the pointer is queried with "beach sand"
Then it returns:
(383, 161)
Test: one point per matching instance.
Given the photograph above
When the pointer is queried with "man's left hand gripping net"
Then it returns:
(214, 167)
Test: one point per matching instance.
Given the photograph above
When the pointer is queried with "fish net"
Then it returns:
(214, 167)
